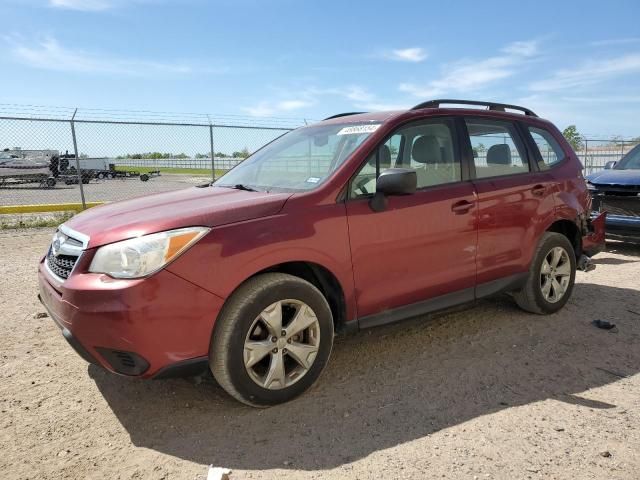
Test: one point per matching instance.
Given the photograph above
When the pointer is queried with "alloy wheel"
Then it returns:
(555, 274)
(282, 344)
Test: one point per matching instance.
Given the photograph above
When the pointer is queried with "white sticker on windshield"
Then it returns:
(313, 180)
(357, 129)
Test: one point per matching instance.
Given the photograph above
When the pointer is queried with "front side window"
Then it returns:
(495, 149)
(427, 148)
(550, 151)
(299, 160)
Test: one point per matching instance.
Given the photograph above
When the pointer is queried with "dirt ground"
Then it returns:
(486, 392)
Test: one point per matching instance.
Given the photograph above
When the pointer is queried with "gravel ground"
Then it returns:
(485, 392)
(97, 190)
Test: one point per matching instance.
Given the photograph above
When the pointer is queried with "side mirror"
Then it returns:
(610, 164)
(393, 181)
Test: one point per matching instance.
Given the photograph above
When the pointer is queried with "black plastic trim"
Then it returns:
(119, 361)
(416, 309)
(77, 346)
(506, 284)
(346, 114)
(184, 368)
(443, 302)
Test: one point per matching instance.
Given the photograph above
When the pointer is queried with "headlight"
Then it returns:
(142, 256)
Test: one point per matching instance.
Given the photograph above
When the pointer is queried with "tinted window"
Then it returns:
(550, 150)
(495, 150)
(427, 148)
(631, 160)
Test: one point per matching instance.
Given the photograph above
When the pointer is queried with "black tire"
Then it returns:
(110, 175)
(531, 297)
(144, 177)
(51, 182)
(100, 176)
(226, 354)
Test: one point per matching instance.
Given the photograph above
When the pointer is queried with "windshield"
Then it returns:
(631, 160)
(299, 160)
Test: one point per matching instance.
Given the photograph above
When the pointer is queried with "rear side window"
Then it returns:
(550, 151)
(496, 152)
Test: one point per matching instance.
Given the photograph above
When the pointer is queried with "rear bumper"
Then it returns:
(131, 327)
(594, 241)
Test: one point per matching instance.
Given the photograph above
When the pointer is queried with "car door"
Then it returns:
(514, 198)
(422, 246)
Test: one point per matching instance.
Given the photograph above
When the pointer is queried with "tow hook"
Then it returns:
(585, 264)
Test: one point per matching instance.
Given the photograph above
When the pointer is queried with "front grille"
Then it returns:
(61, 265)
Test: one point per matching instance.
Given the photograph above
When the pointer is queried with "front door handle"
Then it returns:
(539, 190)
(461, 207)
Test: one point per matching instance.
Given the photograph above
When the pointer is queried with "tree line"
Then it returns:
(244, 153)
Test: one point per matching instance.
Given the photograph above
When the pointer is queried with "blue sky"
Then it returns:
(572, 62)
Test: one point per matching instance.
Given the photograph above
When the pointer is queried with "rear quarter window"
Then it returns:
(549, 149)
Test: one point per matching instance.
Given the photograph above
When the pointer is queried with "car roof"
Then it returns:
(491, 109)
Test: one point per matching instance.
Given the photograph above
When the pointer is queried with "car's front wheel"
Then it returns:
(551, 276)
(272, 339)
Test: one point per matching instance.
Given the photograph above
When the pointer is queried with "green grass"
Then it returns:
(182, 171)
(34, 220)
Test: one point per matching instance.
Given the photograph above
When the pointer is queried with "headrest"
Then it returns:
(385, 157)
(426, 149)
(499, 155)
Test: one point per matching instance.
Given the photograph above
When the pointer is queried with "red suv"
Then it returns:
(359, 220)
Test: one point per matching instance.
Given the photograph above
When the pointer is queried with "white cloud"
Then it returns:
(49, 54)
(264, 109)
(93, 5)
(356, 93)
(522, 49)
(413, 54)
(83, 5)
(307, 98)
(589, 73)
(471, 75)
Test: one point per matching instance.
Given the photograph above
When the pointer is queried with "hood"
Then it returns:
(208, 206)
(615, 177)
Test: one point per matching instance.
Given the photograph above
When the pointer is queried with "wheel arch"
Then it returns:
(569, 229)
(320, 277)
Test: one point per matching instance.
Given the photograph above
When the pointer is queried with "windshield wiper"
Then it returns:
(246, 188)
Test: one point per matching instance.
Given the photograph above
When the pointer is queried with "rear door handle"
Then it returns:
(539, 190)
(461, 207)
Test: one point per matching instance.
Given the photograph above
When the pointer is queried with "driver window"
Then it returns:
(426, 148)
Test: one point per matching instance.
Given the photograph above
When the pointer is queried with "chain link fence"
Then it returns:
(60, 156)
(596, 153)
(84, 159)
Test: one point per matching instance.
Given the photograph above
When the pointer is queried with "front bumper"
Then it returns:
(132, 327)
(623, 227)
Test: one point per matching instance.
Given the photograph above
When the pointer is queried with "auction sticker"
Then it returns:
(358, 129)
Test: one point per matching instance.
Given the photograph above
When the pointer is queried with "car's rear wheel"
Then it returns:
(271, 340)
(551, 276)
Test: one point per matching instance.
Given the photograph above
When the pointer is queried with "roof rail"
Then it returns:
(346, 114)
(499, 107)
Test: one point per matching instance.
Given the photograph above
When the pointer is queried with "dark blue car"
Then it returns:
(616, 190)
